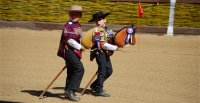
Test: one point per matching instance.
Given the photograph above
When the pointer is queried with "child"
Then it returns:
(102, 54)
(70, 49)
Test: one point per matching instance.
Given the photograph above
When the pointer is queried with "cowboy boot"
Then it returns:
(71, 95)
(103, 94)
(93, 87)
(100, 92)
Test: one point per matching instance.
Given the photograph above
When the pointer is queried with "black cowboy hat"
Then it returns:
(98, 15)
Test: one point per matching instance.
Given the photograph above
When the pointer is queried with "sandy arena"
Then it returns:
(158, 69)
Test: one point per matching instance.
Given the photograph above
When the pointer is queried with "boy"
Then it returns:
(70, 49)
(102, 54)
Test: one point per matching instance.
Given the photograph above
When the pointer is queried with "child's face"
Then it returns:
(75, 16)
(101, 22)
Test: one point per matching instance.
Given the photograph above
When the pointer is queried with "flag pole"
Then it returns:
(140, 13)
(138, 29)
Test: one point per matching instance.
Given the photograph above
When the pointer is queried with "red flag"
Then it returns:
(140, 11)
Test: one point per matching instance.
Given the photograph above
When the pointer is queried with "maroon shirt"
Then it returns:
(69, 32)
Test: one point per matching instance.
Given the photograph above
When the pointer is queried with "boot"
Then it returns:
(103, 94)
(71, 95)
(92, 87)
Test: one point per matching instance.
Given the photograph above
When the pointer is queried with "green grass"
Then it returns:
(186, 15)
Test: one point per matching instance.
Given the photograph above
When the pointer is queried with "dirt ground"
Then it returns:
(158, 69)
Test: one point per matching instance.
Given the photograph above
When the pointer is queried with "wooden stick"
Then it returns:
(88, 83)
(44, 91)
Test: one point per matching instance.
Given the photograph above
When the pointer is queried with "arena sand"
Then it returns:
(158, 69)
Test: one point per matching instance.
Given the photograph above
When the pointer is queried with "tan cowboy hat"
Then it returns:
(76, 8)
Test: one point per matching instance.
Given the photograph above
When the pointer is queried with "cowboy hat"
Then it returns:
(76, 8)
(98, 15)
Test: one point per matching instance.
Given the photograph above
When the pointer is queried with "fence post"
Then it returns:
(170, 29)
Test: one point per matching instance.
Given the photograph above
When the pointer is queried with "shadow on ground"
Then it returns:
(9, 102)
(37, 93)
(87, 91)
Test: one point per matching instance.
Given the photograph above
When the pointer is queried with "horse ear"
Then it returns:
(134, 29)
(133, 40)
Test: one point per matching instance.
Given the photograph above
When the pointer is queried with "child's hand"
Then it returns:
(82, 48)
